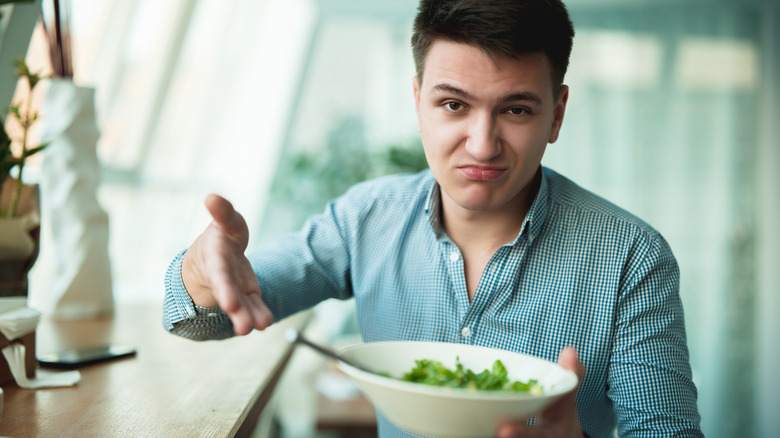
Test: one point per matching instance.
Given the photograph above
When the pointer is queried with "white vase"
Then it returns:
(81, 285)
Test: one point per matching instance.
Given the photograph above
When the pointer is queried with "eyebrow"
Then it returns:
(513, 97)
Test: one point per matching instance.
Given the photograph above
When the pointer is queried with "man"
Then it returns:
(487, 247)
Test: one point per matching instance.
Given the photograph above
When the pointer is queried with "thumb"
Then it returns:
(566, 408)
(226, 218)
(220, 208)
(568, 359)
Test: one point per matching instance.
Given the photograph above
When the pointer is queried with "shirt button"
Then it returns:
(466, 332)
(454, 256)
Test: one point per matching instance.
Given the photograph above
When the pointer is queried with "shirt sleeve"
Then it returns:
(650, 380)
(301, 269)
(182, 317)
(295, 272)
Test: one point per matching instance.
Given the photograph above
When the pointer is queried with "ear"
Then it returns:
(416, 87)
(558, 112)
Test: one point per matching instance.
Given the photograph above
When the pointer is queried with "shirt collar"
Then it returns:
(538, 212)
(532, 224)
(433, 209)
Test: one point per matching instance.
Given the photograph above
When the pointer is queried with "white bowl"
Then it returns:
(452, 412)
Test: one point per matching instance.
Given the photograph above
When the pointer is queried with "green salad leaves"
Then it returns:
(432, 372)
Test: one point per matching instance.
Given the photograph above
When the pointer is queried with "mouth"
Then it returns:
(481, 173)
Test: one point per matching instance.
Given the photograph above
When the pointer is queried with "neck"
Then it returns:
(487, 230)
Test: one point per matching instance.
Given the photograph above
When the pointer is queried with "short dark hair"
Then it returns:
(499, 27)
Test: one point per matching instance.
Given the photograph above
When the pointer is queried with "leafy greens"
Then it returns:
(433, 372)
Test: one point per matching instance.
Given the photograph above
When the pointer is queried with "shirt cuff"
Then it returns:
(178, 305)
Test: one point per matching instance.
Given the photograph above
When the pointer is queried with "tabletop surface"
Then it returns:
(172, 387)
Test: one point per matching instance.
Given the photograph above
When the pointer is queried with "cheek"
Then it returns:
(429, 134)
(528, 140)
(440, 136)
(435, 150)
(430, 149)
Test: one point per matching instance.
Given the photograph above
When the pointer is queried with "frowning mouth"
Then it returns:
(478, 173)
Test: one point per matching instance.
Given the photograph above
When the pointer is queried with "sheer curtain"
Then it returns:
(668, 117)
(767, 254)
(673, 114)
(192, 98)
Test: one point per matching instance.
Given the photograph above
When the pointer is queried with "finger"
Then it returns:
(241, 301)
(251, 314)
(230, 301)
(568, 359)
(558, 419)
(261, 314)
(511, 430)
(236, 309)
(251, 298)
(240, 315)
(242, 322)
(224, 285)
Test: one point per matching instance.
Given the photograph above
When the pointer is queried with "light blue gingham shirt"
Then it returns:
(582, 272)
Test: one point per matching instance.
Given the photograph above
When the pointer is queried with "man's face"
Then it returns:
(485, 123)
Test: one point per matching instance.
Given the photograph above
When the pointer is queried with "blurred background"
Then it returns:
(281, 104)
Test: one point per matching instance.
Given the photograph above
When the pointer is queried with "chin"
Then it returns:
(479, 203)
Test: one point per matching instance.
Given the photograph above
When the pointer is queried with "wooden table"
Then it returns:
(354, 417)
(173, 387)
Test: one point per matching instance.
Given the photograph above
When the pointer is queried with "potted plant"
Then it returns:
(19, 205)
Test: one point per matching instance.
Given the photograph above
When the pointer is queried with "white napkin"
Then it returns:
(14, 355)
(11, 303)
(18, 322)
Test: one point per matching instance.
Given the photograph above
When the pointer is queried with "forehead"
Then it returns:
(471, 67)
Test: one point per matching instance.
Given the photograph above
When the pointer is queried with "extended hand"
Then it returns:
(216, 272)
(558, 420)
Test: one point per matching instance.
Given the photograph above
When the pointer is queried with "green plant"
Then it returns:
(25, 117)
(306, 179)
(310, 178)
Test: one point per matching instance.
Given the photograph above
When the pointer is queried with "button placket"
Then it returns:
(453, 262)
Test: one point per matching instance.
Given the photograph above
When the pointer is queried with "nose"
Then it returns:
(483, 141)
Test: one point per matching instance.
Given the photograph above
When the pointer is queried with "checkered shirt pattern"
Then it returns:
(581, 272)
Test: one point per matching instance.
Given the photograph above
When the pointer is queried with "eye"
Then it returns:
(517, 111)
(453, 106)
